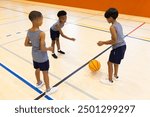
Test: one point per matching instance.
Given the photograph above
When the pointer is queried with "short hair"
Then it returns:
(111, 12)
(61, 13)
(34, 15)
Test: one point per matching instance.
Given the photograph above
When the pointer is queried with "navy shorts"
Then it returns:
(42, 66)
(116, 55)
(54, 34)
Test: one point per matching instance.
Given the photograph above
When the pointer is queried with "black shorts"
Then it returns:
(42, 66)
(54, 34)
(116, 55)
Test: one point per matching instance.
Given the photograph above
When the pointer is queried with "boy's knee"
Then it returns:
(109, 63)
(57, 40)
(37, 70)
(45, 73)
(53, 42)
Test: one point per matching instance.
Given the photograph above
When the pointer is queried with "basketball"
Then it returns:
(94, 65)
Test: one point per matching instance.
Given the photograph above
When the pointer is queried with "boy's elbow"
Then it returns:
(25, 44)
(42, 49)
(114, 41)
(62, 35)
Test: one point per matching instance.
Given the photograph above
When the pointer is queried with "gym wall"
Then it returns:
(130, 7)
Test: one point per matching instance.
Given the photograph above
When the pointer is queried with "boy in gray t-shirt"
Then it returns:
(56, 31)
(117, 42)
(36, 38)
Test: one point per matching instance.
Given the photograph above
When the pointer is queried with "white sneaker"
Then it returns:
(116, 78)
(106, 81)
(40, 84)
(51, 90)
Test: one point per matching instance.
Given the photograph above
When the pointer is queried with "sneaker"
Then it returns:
(116, 78)
(51, 90)
(54, 55)
(106, 81)
(61, 52)
(39, 85)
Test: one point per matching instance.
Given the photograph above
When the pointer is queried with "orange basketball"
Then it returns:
(94, 65)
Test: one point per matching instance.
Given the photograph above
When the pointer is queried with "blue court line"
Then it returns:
(25, 81)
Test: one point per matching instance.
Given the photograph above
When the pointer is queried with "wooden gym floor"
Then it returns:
(17, 78)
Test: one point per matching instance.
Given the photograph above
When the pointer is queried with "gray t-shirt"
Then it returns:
(120, 36)
(57, 23)
(37, 55)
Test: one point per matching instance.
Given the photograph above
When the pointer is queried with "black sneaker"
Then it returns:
(61, 52)
(54, 55)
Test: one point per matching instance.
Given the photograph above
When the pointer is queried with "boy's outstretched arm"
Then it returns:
(27, 42)
(113, 38)
(42, 43)
(62, 34)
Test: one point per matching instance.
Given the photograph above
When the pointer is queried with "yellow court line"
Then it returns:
(96, 14)
(145, 38)
(58, 7)
(8, 18)
(97, 28)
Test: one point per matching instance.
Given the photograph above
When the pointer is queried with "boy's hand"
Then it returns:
(50, 48)
(100, 43)
(73, 39)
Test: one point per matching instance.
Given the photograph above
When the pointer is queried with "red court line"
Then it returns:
(136, 28)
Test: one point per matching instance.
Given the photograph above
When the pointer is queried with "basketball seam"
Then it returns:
(91, 67)
(97, 64)
(94, 65)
